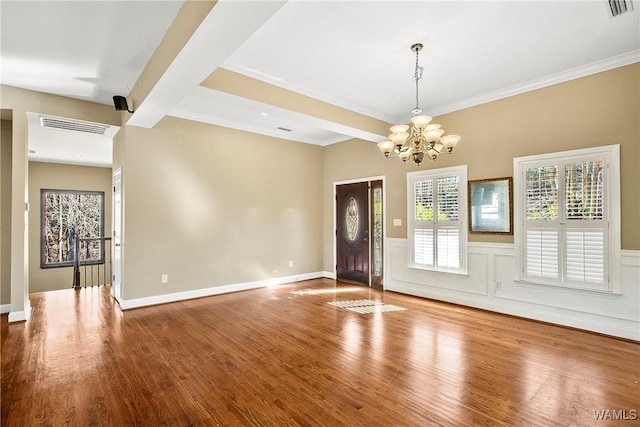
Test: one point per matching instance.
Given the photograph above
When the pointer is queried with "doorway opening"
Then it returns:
(359, 231)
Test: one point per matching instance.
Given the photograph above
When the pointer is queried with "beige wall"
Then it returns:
(601, 109)
(212, 206)
(5, 213)
(60, 177)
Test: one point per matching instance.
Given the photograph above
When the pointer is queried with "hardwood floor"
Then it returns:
(270, 357)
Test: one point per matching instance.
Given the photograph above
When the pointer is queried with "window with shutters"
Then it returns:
(437, 201)
(567, 215)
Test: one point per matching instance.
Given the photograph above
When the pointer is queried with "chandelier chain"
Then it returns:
(417, 75)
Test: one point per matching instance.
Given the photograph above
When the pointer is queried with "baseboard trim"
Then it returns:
(5, 308)
(127, 304)
(329, 275)
(21, 316)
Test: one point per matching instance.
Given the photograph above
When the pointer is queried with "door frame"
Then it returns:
(382, 178)
(117, 293)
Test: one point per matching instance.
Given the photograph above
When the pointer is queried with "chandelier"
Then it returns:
(422, 138)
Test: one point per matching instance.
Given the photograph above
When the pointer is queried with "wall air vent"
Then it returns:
(72, 125)
(618, 7)
(284, 129)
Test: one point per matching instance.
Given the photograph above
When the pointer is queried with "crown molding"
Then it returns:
(550, 80)
(572, 74)
(315, 94)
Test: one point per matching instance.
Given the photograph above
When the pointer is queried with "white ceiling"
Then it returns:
(353, 54)
(87, 50)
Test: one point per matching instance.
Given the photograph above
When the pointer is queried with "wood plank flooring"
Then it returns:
(270, 357)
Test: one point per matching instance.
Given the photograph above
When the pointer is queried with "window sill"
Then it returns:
(432, 270)
(530, 284)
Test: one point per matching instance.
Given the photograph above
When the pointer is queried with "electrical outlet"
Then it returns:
(290, 263)
(165, 278)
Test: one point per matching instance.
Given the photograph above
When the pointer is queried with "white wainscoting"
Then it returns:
(490, 285)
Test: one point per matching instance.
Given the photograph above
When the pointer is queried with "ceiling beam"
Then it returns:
(216, 37)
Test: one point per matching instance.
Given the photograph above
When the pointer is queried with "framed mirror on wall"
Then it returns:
(491, 206)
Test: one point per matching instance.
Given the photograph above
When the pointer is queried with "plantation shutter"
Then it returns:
(542, 252)
(423, 234)
(448, 198)
(448, 247)
(423, 246)
(542, 226)
(586, 227)
(448, 242)
(565, 229)
(437, 226)
(585, 256)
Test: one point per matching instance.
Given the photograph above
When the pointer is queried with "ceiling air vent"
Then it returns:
(73, 125)
(618, 7)
(284, 129)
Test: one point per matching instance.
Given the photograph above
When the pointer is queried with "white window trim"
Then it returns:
(461, 171)
(613, 250)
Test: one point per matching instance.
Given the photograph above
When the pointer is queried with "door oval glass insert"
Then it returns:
(352, 219)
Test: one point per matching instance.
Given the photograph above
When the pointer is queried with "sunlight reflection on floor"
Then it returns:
(326, 291)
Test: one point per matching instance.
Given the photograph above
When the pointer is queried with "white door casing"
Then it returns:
(116, 288)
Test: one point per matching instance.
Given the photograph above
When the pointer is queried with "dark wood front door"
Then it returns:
(352, 221)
